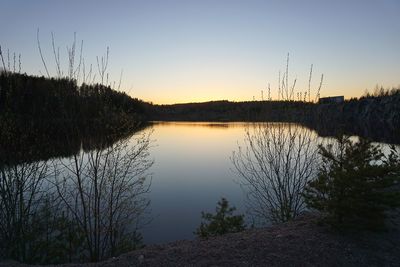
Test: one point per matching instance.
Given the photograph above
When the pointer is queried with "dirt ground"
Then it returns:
(303, 242)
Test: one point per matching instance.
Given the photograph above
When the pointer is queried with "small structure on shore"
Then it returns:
(331, 99)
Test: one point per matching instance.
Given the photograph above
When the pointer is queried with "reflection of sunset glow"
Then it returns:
(192, 171)
(207, 137)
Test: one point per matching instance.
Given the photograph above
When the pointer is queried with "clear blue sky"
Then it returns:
(181, 51)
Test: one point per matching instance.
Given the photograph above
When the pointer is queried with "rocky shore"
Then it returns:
(303, 242)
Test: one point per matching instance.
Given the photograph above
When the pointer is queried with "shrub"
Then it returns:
(275, 164)
(356, 184)
(222, 222)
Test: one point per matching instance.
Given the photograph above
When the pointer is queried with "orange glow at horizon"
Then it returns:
(243, 95)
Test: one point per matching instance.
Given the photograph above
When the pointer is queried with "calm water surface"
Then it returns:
(192, 171)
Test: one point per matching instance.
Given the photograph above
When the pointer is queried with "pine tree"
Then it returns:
(356, 184)
(222, 222)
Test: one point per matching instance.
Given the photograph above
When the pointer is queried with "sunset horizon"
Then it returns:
(190, 51)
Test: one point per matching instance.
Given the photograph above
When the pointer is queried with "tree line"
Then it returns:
(43, 117)
(41, 98)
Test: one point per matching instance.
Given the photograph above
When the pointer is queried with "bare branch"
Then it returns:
(41, 54)
(275, 164)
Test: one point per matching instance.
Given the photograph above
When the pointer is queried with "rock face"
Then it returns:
(381, 110)
(302, 242)
(377, 118)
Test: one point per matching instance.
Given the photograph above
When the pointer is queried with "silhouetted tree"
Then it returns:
(104, 191)
(275, 163)
(356, 184)
(20, 198)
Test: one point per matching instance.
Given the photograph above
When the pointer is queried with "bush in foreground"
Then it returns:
(222, 222)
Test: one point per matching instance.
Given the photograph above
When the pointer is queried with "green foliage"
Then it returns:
(222, 222)
(356, 184)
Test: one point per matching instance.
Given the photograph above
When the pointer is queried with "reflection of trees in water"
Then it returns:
(374, 131)
(52, 117)
(28, 141)
(85, 207)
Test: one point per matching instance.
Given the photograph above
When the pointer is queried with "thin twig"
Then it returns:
(41, 54)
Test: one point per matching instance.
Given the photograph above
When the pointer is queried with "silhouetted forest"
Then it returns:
(53, 99)
(41, 116)
(232, 111)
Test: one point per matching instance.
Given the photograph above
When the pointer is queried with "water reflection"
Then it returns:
(192, 169)
(185, 124)
(191, 173)
(375, 131)
(29, 143)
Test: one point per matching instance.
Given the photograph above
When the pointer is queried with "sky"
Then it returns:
(172, 51)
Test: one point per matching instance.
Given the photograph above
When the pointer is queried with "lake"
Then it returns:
(192, 171)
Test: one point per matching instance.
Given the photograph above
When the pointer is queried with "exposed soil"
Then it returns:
(303, 242)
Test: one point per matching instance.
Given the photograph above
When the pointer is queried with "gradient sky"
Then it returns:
(185, 51)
